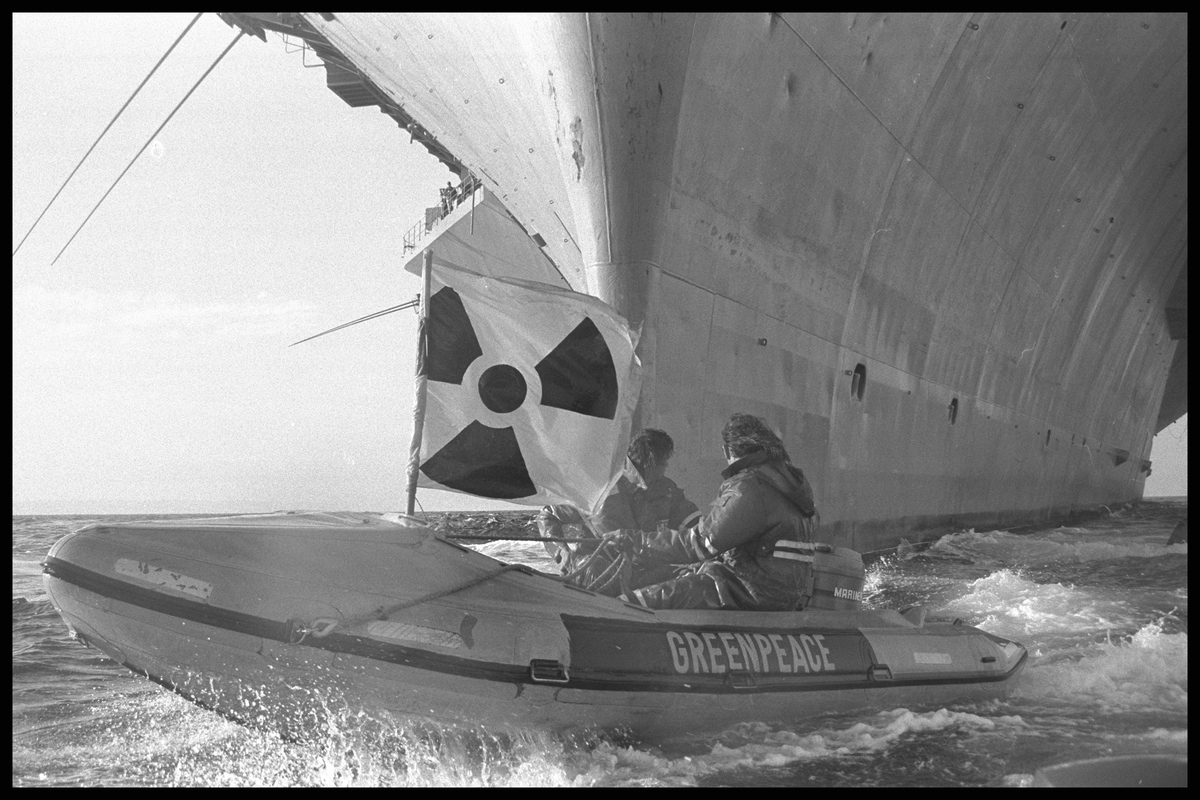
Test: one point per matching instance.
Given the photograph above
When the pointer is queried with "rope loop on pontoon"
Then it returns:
(323, 626)
(297, 631)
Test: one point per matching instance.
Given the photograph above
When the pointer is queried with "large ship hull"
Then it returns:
(945, 255)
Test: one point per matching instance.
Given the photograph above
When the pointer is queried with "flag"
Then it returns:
(530, 391)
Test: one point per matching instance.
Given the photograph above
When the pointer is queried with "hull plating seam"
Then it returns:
(581, 677)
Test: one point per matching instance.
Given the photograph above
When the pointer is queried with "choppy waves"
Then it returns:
(1102, 610)
(1055, 547)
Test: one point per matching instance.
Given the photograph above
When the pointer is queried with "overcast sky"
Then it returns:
(151, 372)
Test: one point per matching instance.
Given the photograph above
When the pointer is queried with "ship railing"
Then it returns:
(452, 198)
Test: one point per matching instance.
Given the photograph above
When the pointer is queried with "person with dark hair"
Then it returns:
(643, 500)
(753, 550)
(656, 500)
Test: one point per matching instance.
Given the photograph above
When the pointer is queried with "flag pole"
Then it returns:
(414, 451)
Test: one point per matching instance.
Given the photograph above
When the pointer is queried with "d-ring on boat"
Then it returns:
(266, 618)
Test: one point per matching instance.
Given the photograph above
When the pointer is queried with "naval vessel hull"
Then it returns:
(944, 254)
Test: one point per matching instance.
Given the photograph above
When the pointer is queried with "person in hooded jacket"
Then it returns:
(654, 500)
(644, 499)
(753, 550)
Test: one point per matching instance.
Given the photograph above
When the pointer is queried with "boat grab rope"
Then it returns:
(609, 568)
(323, 626)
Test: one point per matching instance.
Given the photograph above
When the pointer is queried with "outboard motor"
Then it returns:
(838, 578)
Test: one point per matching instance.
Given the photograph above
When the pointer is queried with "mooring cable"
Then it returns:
(106, 127)
(409, 304)
(147, 144)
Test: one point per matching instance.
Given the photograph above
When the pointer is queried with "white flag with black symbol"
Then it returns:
(530, 391)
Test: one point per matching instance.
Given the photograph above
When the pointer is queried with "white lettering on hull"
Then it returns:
(843, 593)
(776, 653)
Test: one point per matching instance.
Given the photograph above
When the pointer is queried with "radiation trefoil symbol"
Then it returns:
(510, 392)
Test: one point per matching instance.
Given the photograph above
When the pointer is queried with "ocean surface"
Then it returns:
(1101, 606)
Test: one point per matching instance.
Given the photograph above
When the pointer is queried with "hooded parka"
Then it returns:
(752, 551)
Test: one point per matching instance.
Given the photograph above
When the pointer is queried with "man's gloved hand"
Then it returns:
(628, 541)
(548, 522)
(607, 570)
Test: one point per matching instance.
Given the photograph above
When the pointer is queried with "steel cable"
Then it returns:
(147, 144)
(106, 127)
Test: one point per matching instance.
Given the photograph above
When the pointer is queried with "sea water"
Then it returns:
(1101, 606)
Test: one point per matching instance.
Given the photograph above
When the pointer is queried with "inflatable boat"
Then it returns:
(275, 619)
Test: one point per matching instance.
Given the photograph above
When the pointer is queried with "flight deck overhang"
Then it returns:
(341, 76)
